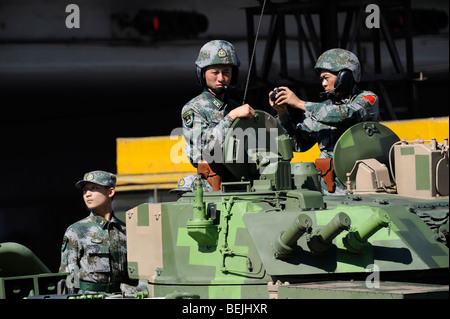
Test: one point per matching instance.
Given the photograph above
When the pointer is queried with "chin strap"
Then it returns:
(336, 95)
(217, 91)
(328, 95)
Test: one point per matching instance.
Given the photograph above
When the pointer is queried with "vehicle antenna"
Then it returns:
(254, 50)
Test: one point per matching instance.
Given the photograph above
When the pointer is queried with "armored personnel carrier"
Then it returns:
(268, 231)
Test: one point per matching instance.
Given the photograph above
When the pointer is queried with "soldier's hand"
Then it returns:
(280, 108)
(243, 111)
(287, 97)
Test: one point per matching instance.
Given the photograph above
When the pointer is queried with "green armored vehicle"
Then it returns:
(23, 274)
(267, 231)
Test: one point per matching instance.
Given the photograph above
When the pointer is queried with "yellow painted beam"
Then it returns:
(151, 155)
(425, 129)
(159, 161)
(141, 187)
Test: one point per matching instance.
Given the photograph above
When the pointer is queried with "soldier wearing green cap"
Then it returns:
(94, 250)
(345, 105)
(207, 117)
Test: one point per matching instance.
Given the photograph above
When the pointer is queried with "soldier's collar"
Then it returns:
(103, 222)
(214, 100)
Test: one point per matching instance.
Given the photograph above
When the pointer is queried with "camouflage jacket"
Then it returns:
(205, 125)
(97, 248)
(325, 122)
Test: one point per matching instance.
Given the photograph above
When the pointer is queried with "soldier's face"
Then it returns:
(97, 196)
(218, 76)
(328, 80)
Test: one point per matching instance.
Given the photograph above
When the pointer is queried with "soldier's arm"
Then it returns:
(359, 109)
(202, 138)
(243, 111)
(213, 137)
(70, 260)
(69, 252)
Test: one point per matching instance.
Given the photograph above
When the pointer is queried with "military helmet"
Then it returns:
(217, 52)
(336, 60)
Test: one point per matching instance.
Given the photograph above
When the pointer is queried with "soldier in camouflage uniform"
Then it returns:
(94, 249)
(207, 117)
(345, 105)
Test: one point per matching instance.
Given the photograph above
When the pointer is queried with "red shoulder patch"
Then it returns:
(370, 98)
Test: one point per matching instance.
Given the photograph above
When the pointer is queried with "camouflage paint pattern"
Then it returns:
(205, 124)
(243, 262)
(217, 52)
(97, 248)
(186, 184)
(362, 141)
(98, 177)
(205, 120)
(325, 122)
(337, 59)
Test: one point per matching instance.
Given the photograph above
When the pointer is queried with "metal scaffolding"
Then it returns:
(314, 41)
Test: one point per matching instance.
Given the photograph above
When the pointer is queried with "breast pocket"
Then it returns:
(98, 258)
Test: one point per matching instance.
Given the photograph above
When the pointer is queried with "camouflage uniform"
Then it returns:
(94, 249)
(97, 248)
(205, 125)
(205, 117)
(325, 122)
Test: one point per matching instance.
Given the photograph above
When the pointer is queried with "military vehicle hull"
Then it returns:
(242, 263)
